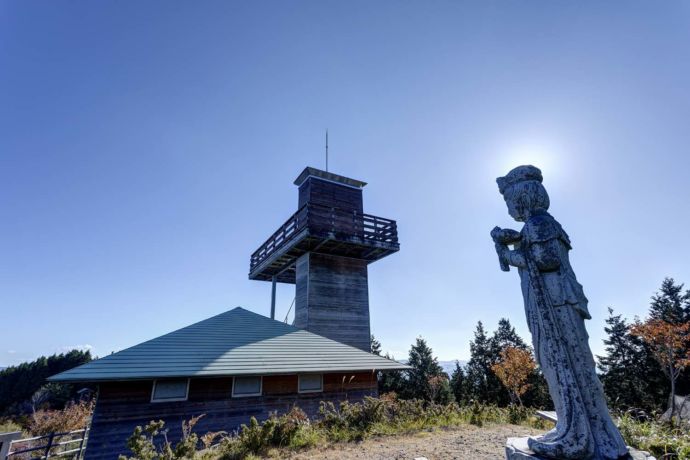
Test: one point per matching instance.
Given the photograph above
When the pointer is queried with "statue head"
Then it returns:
(523, 192)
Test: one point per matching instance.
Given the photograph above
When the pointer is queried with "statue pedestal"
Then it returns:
(517, 449)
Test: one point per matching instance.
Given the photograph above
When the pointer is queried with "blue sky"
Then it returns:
(147, 148)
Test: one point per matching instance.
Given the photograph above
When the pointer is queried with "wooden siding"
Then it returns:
(121, 406)
(320, 192)
(332, 298)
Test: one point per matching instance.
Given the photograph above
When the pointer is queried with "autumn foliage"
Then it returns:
(670, 343)
(513, 370)
(75, 416)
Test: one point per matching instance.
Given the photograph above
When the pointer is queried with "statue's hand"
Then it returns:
(505, 235)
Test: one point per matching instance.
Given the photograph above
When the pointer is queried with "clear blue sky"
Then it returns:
(147, 148)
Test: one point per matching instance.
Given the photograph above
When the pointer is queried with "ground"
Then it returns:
(463, 442)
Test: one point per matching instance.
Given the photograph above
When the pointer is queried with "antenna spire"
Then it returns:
(326, 149)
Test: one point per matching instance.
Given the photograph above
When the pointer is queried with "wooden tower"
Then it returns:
(324, 249)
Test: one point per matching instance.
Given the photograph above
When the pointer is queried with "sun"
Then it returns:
(547, 157)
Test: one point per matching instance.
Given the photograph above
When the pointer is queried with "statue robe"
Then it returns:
(556, 307)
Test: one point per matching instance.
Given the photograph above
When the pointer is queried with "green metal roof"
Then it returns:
(237, 342)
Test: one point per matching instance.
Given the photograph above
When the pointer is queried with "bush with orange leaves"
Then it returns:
(75, 416)
(670, 344)
(513, 370)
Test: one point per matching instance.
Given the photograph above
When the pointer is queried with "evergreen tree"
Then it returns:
(538, 393)
(631, 376)
(393, 381)
(670, 303)
(19, 383)
(478, 369)
(458, 383)
(375, 346)
(504, 337)
(424, 367)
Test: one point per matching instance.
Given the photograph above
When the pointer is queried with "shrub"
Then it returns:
(142, 444)
(8, 426)
(74, 416)
(345, 421)
(292, 429)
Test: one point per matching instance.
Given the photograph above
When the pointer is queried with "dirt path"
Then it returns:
(465, 442)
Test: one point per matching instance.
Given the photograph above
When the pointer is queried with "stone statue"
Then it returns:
(556, 308)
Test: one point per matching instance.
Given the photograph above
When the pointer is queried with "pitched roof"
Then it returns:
(237, 342)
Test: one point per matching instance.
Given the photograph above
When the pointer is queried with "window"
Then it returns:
(170, 390)
(246, 386)
(310, 383)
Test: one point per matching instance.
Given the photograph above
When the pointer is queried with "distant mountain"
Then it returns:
(449, 366)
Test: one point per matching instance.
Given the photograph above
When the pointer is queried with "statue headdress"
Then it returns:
(519, 174)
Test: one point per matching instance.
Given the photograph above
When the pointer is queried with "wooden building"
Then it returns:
(324, 249)
(240, 364)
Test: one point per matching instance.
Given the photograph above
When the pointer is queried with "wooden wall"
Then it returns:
(332, 298)
(121, 406)
(319, 191)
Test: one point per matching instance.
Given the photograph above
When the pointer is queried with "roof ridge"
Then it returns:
(235, 342)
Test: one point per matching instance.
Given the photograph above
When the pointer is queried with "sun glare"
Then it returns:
(548, 158)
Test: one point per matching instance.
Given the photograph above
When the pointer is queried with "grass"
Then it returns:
(354, 422)
(658, 438)
(388, 416)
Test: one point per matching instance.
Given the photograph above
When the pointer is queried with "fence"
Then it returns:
(323, 219)
(70, 444)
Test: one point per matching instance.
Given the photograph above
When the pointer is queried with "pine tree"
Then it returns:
(504, 337)
(375, 346)
(457, 384)
(479, 366)
(424, 367)
(393, 381)
(19, 383)
(629, 373)
(670, 303)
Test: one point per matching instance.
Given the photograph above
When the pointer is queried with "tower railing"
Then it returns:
(329, 222)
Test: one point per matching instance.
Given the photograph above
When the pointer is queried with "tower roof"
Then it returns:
(329, 176)
(237, 342)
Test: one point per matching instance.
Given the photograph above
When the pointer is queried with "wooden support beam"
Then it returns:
(273, 296)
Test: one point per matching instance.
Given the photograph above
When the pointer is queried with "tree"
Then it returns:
(479, 366)
(513, 370)
(440, 391)
(388, 381)
(670, 344)
(424, 366)
(504, 337)
(19, 383)
(457, 383)
(670, 303)
(631, 376)
(375, 346)
(392, 381)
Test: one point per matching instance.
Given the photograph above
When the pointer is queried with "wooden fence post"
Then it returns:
(6, 442)
(80, 454)
(49, 445)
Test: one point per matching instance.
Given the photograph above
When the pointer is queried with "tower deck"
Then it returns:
(326, 230)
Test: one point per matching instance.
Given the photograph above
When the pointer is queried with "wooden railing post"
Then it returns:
(81, 444)
(49, 445)
(6, 442)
